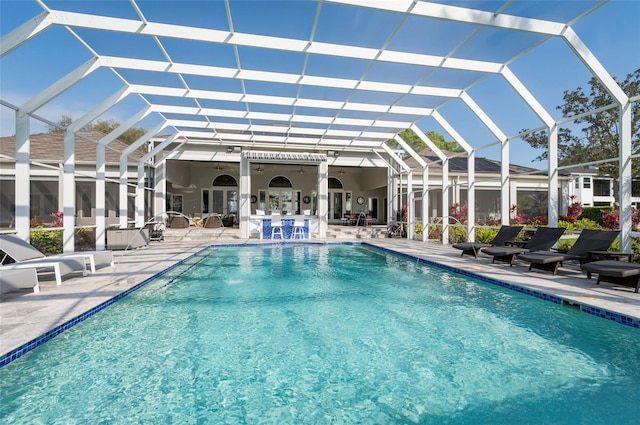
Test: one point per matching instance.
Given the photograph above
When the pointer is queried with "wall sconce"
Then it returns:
(234, 149)
(334, 154)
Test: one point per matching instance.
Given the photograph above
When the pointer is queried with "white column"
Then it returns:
(504, 183)
(552, 200)
(160, 190)
(123, 193)
(425, 203)
(69, 192)
(410, 206)
(101, 207)
(471, 196)
(445, 201)
(323, 197)
(140, 196)
(22, 177)
(625, 177)
(245, 196)
(390, 196)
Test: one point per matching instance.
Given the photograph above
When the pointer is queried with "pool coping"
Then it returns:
(23, 349)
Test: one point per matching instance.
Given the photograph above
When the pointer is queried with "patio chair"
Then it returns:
(542, 240)
(212, 221)
(616, 272)
(156, 231)
(589, 240)
(13, 279)
(23, 252)
(504, 235)
(177, 222)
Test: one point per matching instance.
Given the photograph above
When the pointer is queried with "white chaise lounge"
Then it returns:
(21, 251)
(14, 279)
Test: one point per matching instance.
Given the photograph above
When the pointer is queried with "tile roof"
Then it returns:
(458, 164)
(50, 147)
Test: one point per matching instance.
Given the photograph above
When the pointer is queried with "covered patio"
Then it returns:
(308, 100)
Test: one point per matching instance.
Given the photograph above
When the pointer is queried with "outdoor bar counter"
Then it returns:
(260, 225)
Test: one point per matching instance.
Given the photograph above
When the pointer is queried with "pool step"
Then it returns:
(356, 232)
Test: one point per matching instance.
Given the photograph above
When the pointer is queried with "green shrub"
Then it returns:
(50, 241)
(434, 231)
(566, 225)
(565, 244)
(485, 234)
(594, 214)
(417, 229)
(635, 248)
(47, 241)
(457, 234)
(586, 223)
(85, 239)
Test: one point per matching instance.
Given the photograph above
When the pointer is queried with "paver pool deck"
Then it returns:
(25, 316)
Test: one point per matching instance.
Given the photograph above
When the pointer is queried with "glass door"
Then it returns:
(336, 209)
(282, 201)
(224, 201)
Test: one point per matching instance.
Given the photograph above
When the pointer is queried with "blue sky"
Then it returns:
(612, 33)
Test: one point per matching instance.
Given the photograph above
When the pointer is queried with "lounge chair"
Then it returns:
(22, 252)
(60, 267)
(617, 272)
(13, 279)
(589, 240)
(504, 235)
(542, 240)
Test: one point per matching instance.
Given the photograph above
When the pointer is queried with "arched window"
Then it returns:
(225, 180)
(334, 183)
(280, 181)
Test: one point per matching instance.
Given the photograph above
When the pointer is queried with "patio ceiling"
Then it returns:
(283, 75)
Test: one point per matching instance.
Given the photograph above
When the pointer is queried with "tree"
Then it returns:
(599, 138)
(103, 126)
(417, 144)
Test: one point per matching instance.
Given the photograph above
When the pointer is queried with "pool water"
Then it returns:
(317, 334)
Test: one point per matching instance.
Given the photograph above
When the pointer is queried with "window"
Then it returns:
(601, 187)
(112, 203)
(577, 183)
(586, 182)
(84, 199)
(635, 188)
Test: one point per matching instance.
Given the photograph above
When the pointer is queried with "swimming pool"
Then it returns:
(327, 334)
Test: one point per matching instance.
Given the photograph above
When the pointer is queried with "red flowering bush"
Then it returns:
(458, 213)
(57, 219)
(514, 216)
(611, 219)
(541, 220)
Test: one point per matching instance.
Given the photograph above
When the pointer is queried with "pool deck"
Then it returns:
(25, 316)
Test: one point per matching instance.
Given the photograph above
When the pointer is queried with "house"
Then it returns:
(46, 154)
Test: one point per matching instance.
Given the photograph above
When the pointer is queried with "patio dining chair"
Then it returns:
(298, 227)
(276, 226)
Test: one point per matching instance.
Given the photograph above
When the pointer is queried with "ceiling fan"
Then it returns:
(259, 169)
(341, 171)
(301, 171)
(218, 166)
